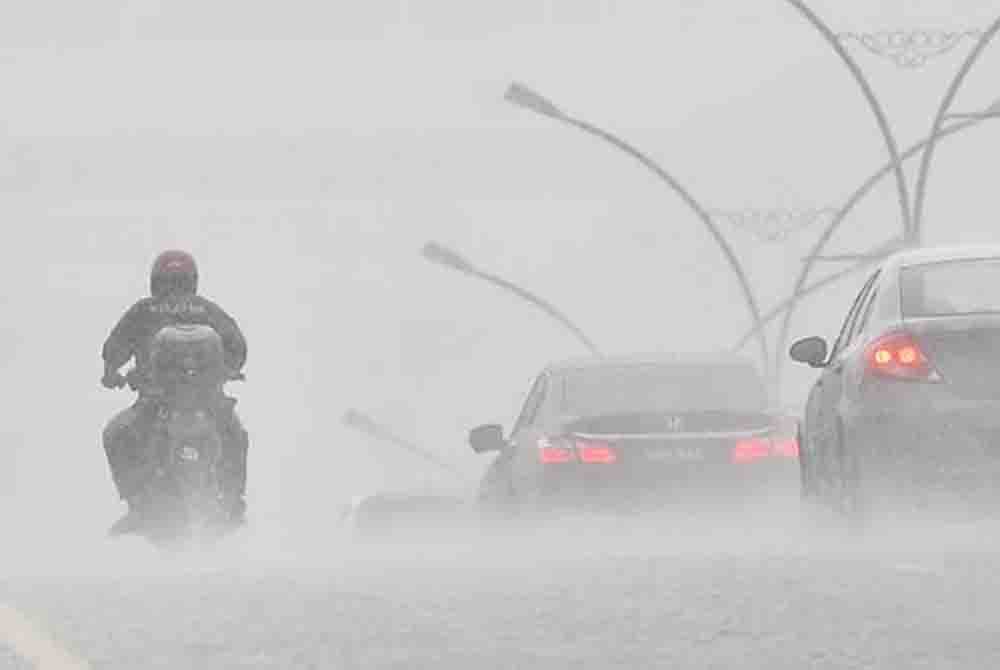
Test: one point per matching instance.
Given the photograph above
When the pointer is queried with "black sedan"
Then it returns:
(605, 431)
(906, 411)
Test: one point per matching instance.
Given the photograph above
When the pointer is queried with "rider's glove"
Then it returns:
(113, 379)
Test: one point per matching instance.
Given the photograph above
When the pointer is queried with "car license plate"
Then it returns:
(675, 454)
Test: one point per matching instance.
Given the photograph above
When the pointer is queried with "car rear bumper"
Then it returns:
(611, 486)
(923, 415)
(924, 405)
(929, 439)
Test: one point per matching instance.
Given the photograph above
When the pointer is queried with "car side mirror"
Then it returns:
(487, 438)
(812, 351)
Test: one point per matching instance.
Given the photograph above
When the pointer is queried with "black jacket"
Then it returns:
(134, 332)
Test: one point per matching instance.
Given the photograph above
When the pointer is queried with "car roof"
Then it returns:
(627, 360)
(924, 255)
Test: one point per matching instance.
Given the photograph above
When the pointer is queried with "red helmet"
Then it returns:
(173, 272)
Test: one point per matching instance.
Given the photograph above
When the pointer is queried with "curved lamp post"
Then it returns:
(368, 426)
(524, 97)
(443, 256)
(991, 112)
(925, 163)
(788, 306)
(866, 187)
(876, 107)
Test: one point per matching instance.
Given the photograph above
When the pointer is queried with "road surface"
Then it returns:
(753, 595)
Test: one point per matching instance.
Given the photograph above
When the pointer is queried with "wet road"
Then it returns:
(757, 596)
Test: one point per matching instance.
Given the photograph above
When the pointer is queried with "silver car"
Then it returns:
(620, 430)
(907, 405)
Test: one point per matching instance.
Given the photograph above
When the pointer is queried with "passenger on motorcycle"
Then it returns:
(174, 300)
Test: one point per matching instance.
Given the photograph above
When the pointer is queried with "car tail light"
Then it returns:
(554, 451)
(776, 445)
(898, 356)
(748, 451)
(555, 455)
(596, 452)
(571, 450)
(785, 448)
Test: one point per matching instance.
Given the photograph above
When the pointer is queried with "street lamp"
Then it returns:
(800, 290)
(876, 107)
(787, 305)
(526, 98)
(973, 115)
(522, 96)
(441, 255)
(991, 112)
(911, 222)
(925, 163)
(876, 254)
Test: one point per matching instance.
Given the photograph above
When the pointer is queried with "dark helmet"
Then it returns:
(173, 272)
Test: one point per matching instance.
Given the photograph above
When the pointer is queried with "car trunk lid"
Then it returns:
(680, 438)
(965, 351)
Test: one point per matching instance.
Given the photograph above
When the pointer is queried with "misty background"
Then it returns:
(304, 152)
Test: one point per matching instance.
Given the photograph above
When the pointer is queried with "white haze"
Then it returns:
(305, 152)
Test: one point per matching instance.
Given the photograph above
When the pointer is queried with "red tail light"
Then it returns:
(898, 356)
(778, 445)
(748, 451)
(787, 448)
(555, 455)
(596, 452)
(550, 452)
(564, 450)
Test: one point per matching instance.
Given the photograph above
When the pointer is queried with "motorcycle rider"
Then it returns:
(173, 299)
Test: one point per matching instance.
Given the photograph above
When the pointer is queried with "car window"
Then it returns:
(845, 330)
(949, 288)
(865, 311)
(662, 387)
(529, 412)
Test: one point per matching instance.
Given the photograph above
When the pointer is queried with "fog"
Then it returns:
(305, 153)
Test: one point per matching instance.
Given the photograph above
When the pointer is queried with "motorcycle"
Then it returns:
(184, 497)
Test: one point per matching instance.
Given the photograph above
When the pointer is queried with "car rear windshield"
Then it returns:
(950, 288)
(659, 388)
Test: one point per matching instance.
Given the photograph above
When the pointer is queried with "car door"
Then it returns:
(524, 439)
(841, 368)
(499, 479)
(852, 354)
(822, 418)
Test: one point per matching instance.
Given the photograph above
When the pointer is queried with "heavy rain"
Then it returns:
(519, 284)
